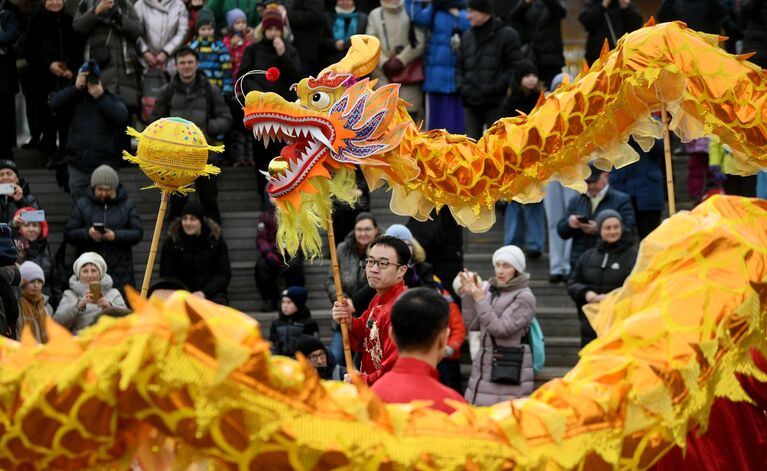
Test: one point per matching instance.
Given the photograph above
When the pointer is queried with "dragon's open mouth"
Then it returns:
(306, 138)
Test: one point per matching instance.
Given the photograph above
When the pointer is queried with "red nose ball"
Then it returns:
(272, 74)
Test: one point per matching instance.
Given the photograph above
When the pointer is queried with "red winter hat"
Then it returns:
(43, 225)
(272, 17)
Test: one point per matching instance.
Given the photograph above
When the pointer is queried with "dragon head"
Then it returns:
(338, 121)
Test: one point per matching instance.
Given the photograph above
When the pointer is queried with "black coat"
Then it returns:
(601, 269)
(261, 56)
(51, 38)
(623, 20)
(753, 15)
(9, 34)
(701, 15)
(121, 216)
(9, 206)
(486, 63)
(200, 262)
(543, 19)
(307, 22)
(581, 206)
(97, 128)
(286, 330)
(331, 55)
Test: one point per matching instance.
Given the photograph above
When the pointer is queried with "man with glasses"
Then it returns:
(385, 268)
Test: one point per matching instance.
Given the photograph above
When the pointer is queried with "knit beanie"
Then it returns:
(308, 344)
(272, 17)
(400, 232)
(195, 209)
(605, 215)
(233, 15)
(298, 295)
(204, 17)
(525, 68)
(43, 225)
(484, 6)
(90, 257)
(105, 176)
(512, 255)
(30, 271)
(9, 164)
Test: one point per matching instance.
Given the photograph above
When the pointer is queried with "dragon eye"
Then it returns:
(320, 100)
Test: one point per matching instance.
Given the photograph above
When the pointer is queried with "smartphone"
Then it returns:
(7, 188)
(583, 219)
(95, 288)
(99, 226)
(33, 216)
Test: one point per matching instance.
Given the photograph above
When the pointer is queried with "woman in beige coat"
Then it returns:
(390, 23)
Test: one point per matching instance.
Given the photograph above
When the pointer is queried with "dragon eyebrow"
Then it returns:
(329, 80)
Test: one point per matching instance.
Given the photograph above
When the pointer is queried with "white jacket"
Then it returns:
(75, 320)
(165, 23)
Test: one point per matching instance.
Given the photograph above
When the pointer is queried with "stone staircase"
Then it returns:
(239, 204)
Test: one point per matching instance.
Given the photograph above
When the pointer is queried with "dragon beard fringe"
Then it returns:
(299, 228)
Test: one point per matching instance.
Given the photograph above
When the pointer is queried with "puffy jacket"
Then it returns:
(117, 29)
(75, 320)
(753, 14)
(331, 54)
(9, 34)
(9, 206)
(307, 22)
(215, 62)
(121, 216)
(51, 38)
(642, 180)
(486, 63)
(203, 104)
(623, 20)
(439, 66)
(200, 262)
(542, 18)
(286, 330)
(504, 315)
(165, 25)
(352, 268)
(96, 130)
(261, 56)
(581, 206)
(701, 15)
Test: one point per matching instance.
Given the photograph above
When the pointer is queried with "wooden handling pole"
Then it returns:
(339, 292)
(669, 167)
(155, 242)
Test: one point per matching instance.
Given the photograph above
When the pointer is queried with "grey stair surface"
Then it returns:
(239, 205)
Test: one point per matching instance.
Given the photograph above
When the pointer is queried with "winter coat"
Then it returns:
(236, 52)
(200, 262)
(121, 216)
(307, 22)
(285, 331)
(221, 7)
(9, 304)
(9, 34)
(51, 38)
(581, 205)
(753, 15)
(519, 100)
(96, 130)
(352, 268)
(623, 20)
(486, 63)
(329, 51)
(9, 206)
(642, 180)
(203, 104)
(601, 269)
(67, 313)
(164, 23)
(121, 27)
(34, 325)
(504, 315)
(261, 56)
(439, 65)
(540, 23)
(215, 62)
(701, 15)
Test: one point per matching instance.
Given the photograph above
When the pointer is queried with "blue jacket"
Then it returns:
(642, 180)
(439, 68)
(581, 206)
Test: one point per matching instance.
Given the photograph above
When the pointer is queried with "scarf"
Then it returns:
(33, 313)
(519, 281)
(345, 24)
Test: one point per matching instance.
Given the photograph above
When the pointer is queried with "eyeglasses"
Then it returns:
(382, 264)
(317, 356)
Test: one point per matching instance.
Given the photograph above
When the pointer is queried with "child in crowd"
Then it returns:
(294, 320)
(322, 361)
(33, 304)
(213, 55)
(32, 242)
(238, 37)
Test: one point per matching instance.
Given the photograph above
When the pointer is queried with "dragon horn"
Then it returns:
(361, 59)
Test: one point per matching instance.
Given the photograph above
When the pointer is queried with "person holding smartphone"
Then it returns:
(90, 293)
(32, 245)
(14, 193)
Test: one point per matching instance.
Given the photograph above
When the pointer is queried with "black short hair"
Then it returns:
(185, 51)
(418, 317)
(399, 246)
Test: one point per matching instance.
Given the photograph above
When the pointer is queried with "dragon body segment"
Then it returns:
(349, 121)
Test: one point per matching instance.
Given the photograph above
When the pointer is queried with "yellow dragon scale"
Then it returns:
(201, 375)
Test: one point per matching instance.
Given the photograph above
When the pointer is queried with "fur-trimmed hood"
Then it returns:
(210, 228)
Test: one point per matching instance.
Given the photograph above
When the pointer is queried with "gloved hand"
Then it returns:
(393, 67)
(274, 260)
(716, 174)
